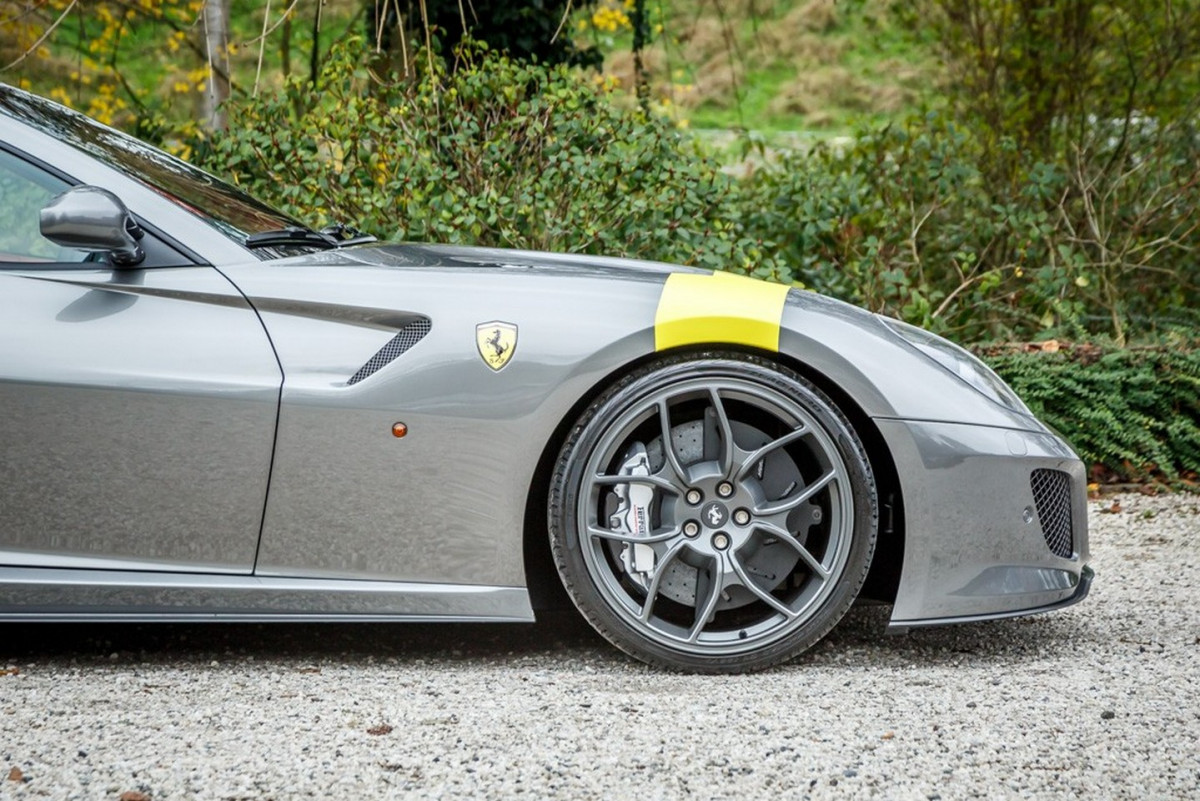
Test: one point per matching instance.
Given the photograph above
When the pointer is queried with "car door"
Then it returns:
(137, 406)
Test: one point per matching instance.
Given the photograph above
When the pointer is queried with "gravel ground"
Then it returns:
(1100, 699)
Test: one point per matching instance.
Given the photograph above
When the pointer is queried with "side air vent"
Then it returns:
(1052, 497)
(409, 335)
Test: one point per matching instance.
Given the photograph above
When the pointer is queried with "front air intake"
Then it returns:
(409, 335)
(1052, 498)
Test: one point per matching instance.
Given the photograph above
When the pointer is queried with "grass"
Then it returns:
(812, 66)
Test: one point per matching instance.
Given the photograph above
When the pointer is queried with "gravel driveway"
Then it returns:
(1102, 699)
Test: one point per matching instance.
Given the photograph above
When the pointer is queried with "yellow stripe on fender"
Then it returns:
(697, 309)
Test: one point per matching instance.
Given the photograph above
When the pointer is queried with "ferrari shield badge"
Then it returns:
(496, 342)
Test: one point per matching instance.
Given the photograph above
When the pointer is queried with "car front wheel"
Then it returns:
(713, 513)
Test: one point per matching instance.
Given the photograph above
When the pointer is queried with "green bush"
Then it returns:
(900, 221)
(1083, 120)
(1136, 411)
(906, 221)
(494, 152)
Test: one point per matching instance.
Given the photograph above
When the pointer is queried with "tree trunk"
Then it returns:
(216, 42)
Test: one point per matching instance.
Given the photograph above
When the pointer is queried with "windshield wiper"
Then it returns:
(338, 235)
(292, 235)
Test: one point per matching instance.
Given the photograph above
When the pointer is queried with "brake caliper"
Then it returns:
(632, 515)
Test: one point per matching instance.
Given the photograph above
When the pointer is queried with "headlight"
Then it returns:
(960, 362)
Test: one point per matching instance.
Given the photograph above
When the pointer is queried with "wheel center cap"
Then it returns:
(714, 514)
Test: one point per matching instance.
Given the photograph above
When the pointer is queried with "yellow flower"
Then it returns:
(610, 20)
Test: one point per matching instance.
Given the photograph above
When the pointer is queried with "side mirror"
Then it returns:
(93, 219)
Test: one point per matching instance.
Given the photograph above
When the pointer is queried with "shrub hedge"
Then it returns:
(1134, 411)
(490, 151)
(905, 221)
(486, 151)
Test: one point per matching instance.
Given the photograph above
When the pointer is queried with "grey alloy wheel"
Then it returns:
(713, 513)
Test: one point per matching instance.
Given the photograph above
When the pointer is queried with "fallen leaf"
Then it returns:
(15, 775)
(133, 795)
(1050, 346)
(12, 671)
(888, 735)
(1112, 510)
(381, 729)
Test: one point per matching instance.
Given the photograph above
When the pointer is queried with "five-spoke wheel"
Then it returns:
(713, 513)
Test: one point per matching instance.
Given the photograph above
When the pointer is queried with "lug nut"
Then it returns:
(741, 517)
(691, 528)
(724, 489)
(694, 496)
(720, 540)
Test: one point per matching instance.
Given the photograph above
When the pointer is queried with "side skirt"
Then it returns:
(98, 595)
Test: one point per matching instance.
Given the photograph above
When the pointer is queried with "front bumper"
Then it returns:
(1081, 591)
(977, 542)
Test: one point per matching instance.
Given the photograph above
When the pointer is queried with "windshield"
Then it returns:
(224, 207)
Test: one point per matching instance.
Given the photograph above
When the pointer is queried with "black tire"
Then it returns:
(713, 586)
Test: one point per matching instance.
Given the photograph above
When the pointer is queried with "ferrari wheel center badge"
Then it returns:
(496, 342)
(715, 514)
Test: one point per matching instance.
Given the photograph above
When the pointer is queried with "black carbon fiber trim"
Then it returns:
(408, 336)
(1052, 497)
(1081, 591)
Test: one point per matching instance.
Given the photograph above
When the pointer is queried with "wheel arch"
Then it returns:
(883, 579)
(541, 576)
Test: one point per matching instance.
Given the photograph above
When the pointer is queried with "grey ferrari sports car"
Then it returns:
(212, 412)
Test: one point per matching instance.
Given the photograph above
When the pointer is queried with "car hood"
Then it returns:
(407, 256)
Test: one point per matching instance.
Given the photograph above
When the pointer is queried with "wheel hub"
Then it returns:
(714, 514)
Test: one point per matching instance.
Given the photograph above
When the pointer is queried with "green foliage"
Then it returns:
(906, 221)
(900, 221)
(1057, 196)
(523, 30)
(1136, 411)
(492, 152)
(1046, 73)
